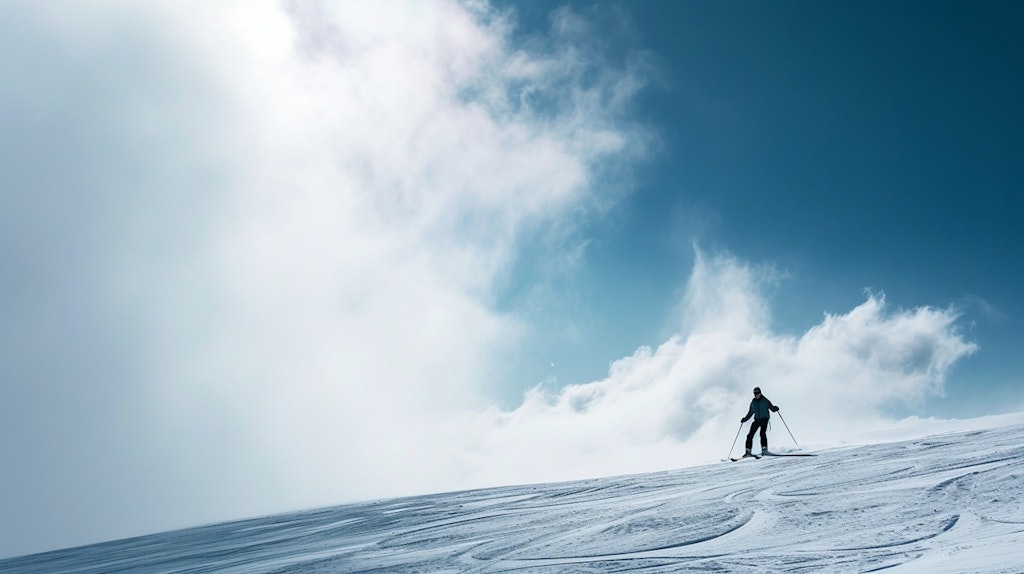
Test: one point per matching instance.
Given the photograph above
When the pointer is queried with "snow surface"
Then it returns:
(946, 503)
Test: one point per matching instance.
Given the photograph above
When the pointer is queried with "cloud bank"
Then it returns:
(252, 249)
(681, 403)
(253, 253)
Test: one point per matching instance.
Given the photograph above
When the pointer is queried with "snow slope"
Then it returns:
(947, 503)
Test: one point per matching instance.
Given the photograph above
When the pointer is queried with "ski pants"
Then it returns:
(758, 424)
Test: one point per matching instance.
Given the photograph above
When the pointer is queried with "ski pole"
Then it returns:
(735, 439)
(787, 430)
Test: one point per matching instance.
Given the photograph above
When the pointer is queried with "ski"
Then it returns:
(755, 456)
(788, 454)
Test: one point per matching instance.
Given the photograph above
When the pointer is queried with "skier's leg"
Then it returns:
(750, 436)
(764, 436)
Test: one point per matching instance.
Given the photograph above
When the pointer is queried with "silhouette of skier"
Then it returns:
(759, 409)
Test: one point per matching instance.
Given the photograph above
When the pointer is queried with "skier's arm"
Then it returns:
(772, 407)
(750, 413)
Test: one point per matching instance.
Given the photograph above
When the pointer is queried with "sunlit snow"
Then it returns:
(950, 502)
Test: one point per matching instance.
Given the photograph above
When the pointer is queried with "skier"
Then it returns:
(759, 408)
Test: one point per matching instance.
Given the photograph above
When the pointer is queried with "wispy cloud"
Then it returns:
(388, 161)
(287, 226)
(681, 403)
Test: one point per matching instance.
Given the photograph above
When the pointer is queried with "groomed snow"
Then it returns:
(947, 503)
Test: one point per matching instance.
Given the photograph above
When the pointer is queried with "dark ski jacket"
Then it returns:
(759, 408)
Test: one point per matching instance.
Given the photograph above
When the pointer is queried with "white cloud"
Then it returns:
(681, 403)
(373, 168)
(291, 222)
(386, 162)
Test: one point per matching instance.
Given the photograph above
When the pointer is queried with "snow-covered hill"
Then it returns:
(947, 503)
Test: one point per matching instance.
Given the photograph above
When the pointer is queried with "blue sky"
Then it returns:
(852, 145)
(262, 256)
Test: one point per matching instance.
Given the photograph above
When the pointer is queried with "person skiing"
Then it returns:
(759, 409)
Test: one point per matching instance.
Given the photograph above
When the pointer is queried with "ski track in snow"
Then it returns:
(948, 503)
